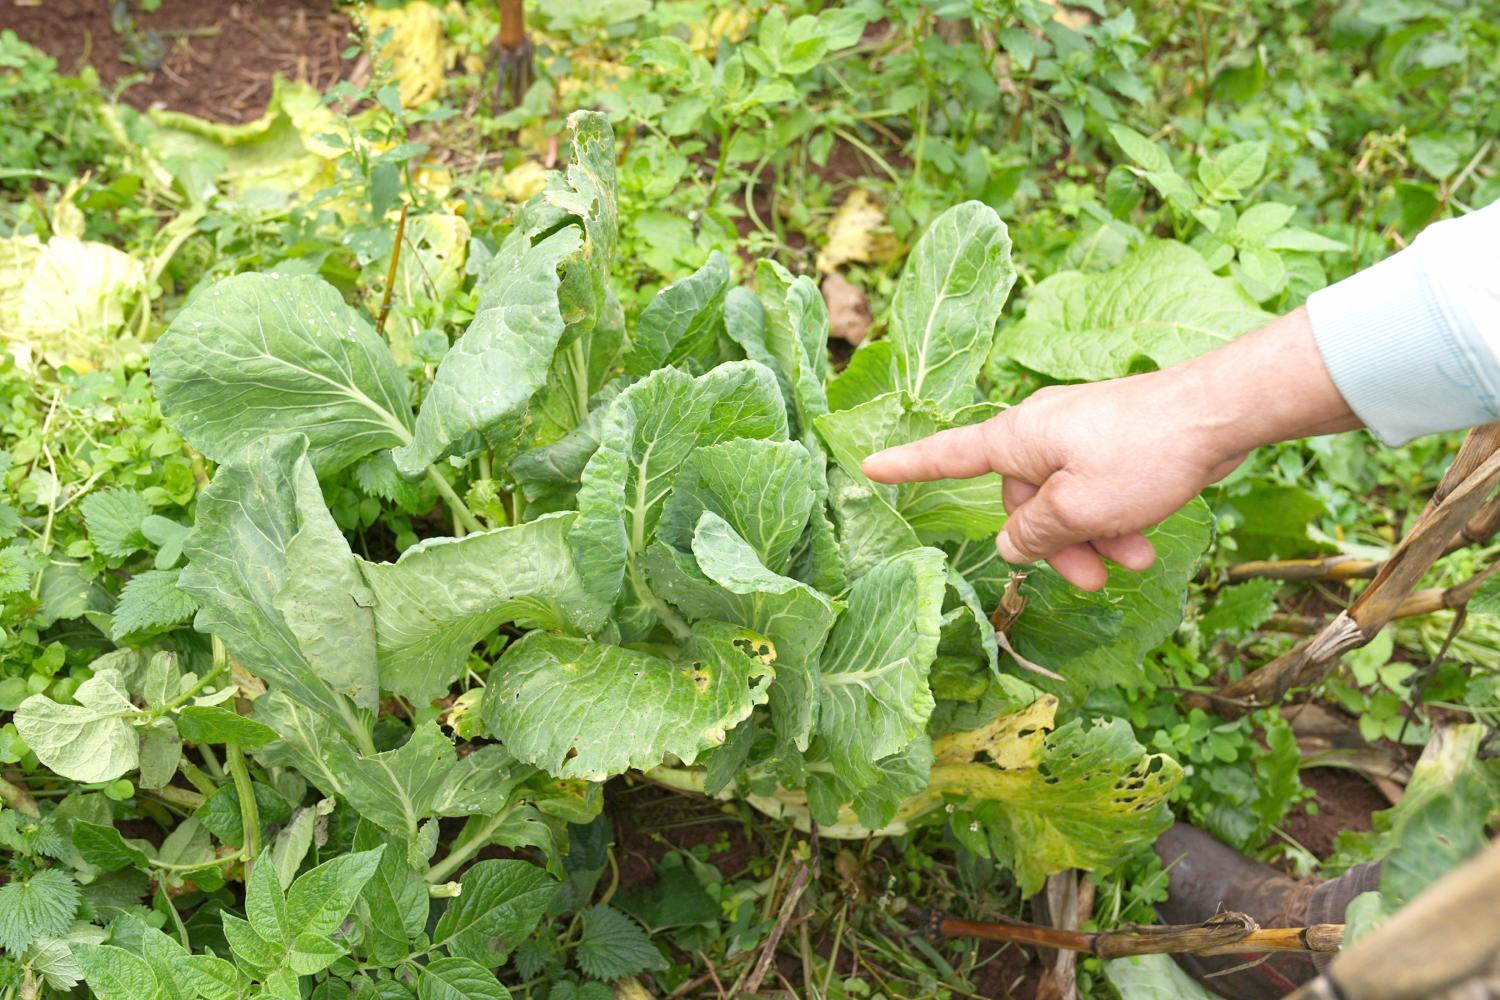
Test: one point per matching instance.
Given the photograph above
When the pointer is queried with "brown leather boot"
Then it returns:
(1206, 877)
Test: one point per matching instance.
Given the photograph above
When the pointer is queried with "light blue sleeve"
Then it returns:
(1413, 343)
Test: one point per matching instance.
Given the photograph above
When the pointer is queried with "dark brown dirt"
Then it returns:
(1345, 801)
(651, 821)
(205, 57)
(1012, 974)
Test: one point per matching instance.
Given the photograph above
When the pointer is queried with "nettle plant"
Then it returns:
(696, 582)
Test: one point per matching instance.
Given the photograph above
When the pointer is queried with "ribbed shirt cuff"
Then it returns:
(1395, 356)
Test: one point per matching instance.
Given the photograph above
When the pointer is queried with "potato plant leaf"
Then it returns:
(90, 741)
(500, 903)
(1162, 304)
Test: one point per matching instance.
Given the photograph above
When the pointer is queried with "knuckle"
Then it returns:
(1025, 534)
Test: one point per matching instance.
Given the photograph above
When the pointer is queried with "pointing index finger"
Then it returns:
(960, 453)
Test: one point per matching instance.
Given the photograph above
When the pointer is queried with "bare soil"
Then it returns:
(1344, 800)
(206, 57)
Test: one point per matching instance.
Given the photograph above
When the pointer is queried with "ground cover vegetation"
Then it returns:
(436, 562)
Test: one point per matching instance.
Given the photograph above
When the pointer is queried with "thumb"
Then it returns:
(1038, 528)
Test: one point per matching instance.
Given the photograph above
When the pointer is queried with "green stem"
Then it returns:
(727, 136)
(182, 798)
(465, 850)
(456, 504)
(211, 763)
(194, 866)
(874, 156)
(220, 666)
(182, 933)
(249, 813)
(674, 622)
(356, 726)
(195, 775)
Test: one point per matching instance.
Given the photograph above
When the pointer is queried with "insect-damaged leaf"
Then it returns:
(274, 578)
(580, 709)
(260, 355)
(724, 578)
(1082, 796)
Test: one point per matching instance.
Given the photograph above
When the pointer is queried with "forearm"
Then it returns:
(1268, 386)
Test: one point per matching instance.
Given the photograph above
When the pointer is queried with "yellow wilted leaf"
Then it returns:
(415, 49)
(434, 178)
(1072, 17)
(731, 23)
(1010, 741)
(631, 989)
(858, 232)
(525, 180)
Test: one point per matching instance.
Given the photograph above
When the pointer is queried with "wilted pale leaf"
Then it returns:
(484, 384)
(90, 741)
(445, 594)
(65, 300)
(415, 48)
(279, 154)
(525, 181)
(274, 578)
(858, 232)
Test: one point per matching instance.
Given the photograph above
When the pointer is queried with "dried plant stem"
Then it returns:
(1460, 501)
(1227, 933)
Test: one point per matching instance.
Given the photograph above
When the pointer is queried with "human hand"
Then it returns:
(1088, 467)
